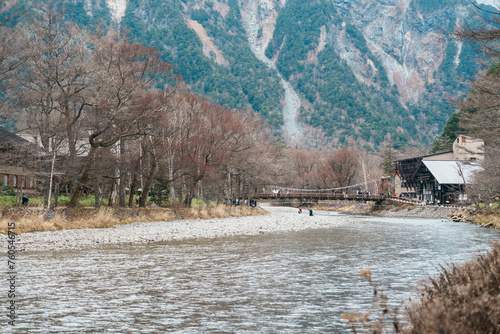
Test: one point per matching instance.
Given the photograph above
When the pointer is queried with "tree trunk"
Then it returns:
(121, 189)
(97, 193)
(171, 178)
(133, 190)
(46, 190)
(56, 194)
(111, 198)
(19, 193)
(123, 175)
(76, 190)
(190, 192)
(147, 185)
(51, 178)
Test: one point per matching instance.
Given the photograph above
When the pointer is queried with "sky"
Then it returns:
(495, 3)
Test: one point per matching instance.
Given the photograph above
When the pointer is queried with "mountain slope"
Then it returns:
(320, 71)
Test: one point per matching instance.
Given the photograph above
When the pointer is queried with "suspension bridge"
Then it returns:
(349, 193)
(308, 196)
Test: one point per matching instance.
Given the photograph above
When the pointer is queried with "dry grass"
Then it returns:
(381, 318)
(488, 219)
(462, 299)
(221, 211)
(347, 209)
(37, 220)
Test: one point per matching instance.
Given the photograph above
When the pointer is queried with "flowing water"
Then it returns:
(296, 282)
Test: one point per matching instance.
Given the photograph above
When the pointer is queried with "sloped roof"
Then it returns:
(8, 137)
(452, 172)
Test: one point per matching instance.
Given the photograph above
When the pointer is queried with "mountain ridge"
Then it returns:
(362, 70)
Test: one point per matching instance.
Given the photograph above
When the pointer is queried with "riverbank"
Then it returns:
(278, 219)
(398, 210)
(37, 219)
(489, 217)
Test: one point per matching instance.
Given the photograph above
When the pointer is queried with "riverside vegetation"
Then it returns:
(37, 219)
(461, 299)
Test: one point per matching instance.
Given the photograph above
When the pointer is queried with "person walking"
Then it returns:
(25, 200)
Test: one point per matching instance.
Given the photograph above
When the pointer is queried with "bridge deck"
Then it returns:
(319, 196)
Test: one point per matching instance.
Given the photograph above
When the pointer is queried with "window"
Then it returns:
(15, 180)
(6, 180)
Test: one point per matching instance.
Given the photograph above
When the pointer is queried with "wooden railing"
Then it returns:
(320, 196)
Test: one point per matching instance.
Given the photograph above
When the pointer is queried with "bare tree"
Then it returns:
(12, 56)
(342, 167)
(303, 165)
(480, 111)
(125, 107)
(54, 89)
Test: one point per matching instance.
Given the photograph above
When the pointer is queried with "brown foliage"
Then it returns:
(378, 319)
(462, 299)
(342, 167)
(80, 218)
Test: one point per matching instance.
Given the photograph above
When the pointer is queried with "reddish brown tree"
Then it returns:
(342, 167)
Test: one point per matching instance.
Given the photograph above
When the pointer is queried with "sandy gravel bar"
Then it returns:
(279, 219)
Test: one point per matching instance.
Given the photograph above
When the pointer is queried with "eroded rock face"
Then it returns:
(410, 45)
(117, 8)
(259, 20)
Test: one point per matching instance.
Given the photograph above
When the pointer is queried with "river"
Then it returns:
(293, 282)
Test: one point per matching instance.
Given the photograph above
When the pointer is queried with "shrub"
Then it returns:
(7, 200)
(197, 203)
(462, 299)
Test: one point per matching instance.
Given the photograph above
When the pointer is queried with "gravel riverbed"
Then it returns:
(279, 219)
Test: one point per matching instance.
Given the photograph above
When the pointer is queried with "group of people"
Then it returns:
(310, 211)
(236, 201)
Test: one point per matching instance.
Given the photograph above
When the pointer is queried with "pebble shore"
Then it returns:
(279, 219)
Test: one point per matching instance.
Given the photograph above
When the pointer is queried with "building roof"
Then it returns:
(8, 137)
(426, 156)
(452, 172)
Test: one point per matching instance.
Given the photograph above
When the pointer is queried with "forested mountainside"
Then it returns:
(357, 69)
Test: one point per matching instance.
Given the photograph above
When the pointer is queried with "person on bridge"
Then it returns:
(311, 212)
(300, 210)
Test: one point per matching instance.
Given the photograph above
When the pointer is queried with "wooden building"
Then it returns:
(12, 171)
(440, 178)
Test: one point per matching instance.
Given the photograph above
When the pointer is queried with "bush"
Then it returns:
(197, 203)
(463, 299)
(7, 200)
(10, 201)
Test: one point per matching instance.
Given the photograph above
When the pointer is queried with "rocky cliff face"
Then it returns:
(360, 69)
(410, 45)
(406, 44)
